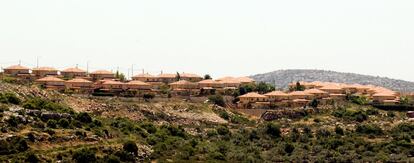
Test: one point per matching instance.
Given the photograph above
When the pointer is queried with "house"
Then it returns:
(16, 70)
(79, 85)
(299, 102)
(145, 78)
(210, 86)
(251, 98)
(245, 80)
(167, 78)
(300, 95)
(184, 87)
(306, 85)
(230, 83)
(73, 73)
(190, 77)
(209, 83)
(110, 85)
(101, 75)
(137, 85)
(385, 97)
(41, 72)
(332, 89)
(277, 96)
(319, 94)
(52, 83)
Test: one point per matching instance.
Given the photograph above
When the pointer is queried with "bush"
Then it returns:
(289, 148)
(223, 130)
(84, 156)
(84, 117)
(39, 104)
(51, 123)
(131, 147)
(339, 130)
(217, 99)
(32, 158)
(323, 133)
(148, 96)
(9, 98)
(64, 123)
(369, 129)
(13, 121)
(273, 130)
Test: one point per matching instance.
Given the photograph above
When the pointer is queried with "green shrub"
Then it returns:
(64, 123)
(339, 130)
(13, 121)
(148, 96)
(32, 158)
(272, 129)
(369, 129)
(39, 104)
(51, 123)
(9, 98)
(84, 155)
(131, 147)
(84, 117)
(217, 99)
(223, 130)
(289, 148)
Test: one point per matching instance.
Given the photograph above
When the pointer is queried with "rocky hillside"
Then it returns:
(281, 78)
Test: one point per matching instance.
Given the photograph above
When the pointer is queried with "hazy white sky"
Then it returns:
(219, 37)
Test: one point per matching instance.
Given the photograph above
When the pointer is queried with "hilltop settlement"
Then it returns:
(102, 82)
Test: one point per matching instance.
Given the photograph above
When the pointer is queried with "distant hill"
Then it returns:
(282, 78)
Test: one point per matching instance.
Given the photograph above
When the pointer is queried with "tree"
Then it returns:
(217, 99)
(148, 96)
(299, 87)
(120, 76)
(263, 87)
(314, 103)
(178, 77)
(84, 156)
(131, 147)
(207, 76)
(273, 130)
(84, 117)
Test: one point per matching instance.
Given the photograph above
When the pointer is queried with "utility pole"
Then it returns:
(87, 67)
(132, 70)
(37, 62)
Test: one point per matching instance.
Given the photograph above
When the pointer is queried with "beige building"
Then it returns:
(332, 89)
(44, 71)
(210, 84)
(16, 70)
(385, 97)
(300, 95)
(111, 85)
(51, 82)
(184, 87)
(101, 75)
(79, 84)
(167, 78)
(190, 77)
(73, 73)
(145, 78)
(319, 94)
(249, 99)
(277, 96)
(137, 85)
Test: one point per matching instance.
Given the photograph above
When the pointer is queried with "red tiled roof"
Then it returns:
(136, 82)
(74, 69)
(102, 72)
(78, 80)
(189, 75)
(143, 76)
(50, 79)
(253, 95)
(276, 93)
(44, 69)
(183, 82)
(167, 76)
(315, 91)
(16, 67)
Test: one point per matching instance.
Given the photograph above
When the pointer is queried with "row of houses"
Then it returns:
(324, 92)
(79, 80)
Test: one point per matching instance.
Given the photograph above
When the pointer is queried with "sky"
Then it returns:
(217, 37)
